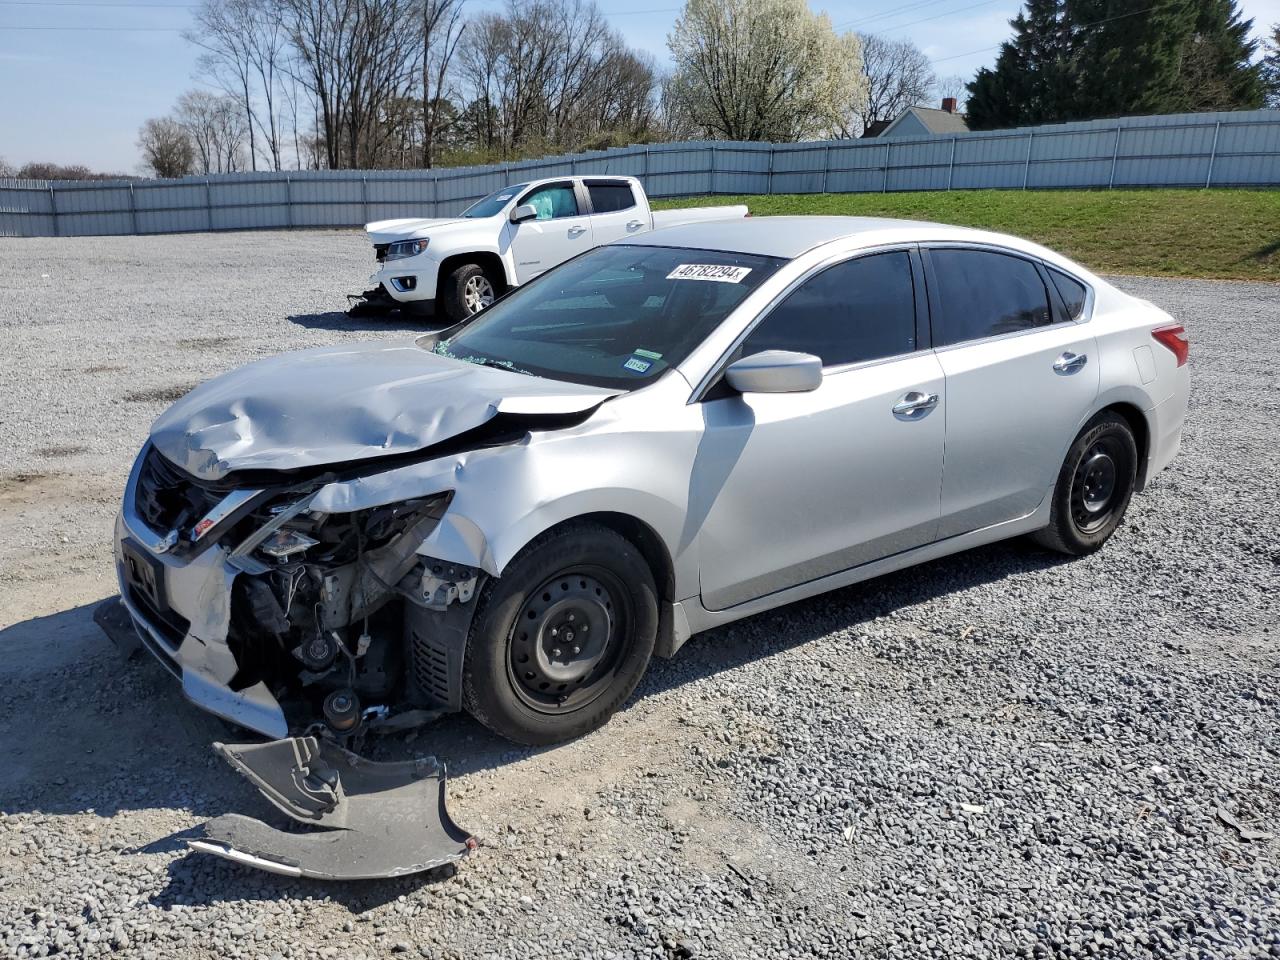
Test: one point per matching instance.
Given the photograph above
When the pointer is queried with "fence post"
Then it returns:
(644, 169)
(53, 207)
(1026, 170)
(1213, 154)
(133, 210)
(826, 166)
(208, 205)
(364, 199)
(769, 189)
(951, 164)
(288, 200)
(1115, 153)
(712, 185)
(888, 153)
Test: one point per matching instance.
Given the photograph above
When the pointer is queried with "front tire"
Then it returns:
(1094, 487)
(561, 639)
(467, 290)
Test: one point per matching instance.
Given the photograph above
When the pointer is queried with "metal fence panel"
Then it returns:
(1208, 149)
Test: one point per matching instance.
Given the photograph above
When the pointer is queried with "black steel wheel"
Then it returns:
(1094, 487)
(553, 657)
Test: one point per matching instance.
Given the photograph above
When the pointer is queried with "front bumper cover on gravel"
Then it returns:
(363, 819)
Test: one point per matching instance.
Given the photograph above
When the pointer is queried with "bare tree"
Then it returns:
(245, 44)
(898, 75)
(217, 130)
(442, 30)
(6, 170)
(166, 147)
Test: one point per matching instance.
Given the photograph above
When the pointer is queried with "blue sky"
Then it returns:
(73, 95)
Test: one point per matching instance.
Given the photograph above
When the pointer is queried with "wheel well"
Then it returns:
(491, 263)
(1141, 435)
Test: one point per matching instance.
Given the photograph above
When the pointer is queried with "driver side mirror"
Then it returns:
(775, 371)
(526, 211)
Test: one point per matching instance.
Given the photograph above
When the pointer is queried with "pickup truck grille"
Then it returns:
(380, 251)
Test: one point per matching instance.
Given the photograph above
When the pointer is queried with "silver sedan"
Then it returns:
(513, 515)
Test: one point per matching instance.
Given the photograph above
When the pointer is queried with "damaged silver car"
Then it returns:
(510, 517)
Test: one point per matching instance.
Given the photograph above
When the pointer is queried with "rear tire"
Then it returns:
(1094, 487)
(467, 290)
(561, 639)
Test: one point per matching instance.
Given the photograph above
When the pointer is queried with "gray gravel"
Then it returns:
(998, 754)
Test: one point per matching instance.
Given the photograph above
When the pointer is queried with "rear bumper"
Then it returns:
(187, 631)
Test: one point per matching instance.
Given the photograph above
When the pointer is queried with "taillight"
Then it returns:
(1175, 338)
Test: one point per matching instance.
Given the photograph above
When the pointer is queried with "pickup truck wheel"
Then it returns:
(467, 290)
(561, 639)
(1093, 488)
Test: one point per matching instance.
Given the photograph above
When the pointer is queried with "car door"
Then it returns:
(788, 488)
(561, 230)
(1020, 377)
(615, 213)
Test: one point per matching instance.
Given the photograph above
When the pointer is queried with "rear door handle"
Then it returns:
(576, 231)
(1070, 362)
(915, 405)
(634, 224)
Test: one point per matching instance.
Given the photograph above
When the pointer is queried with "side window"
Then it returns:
(984, 294)
(1071, 290)
(862, 309)
(553, 201)
(610, 197)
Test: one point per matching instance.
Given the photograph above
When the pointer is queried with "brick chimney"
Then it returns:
(949, 104)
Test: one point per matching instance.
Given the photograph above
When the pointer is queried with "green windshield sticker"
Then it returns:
(647, 353)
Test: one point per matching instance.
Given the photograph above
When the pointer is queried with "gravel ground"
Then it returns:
(996, 754)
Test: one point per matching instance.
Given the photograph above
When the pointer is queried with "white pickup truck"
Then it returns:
(462, 264)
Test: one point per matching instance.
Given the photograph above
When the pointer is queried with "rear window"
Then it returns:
(985, 294)
(608, 197)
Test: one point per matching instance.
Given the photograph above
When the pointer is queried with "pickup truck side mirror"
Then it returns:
(526, 211)
(775, 371)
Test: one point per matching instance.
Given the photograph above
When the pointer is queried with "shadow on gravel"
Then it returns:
(105, 734)
(395, 322)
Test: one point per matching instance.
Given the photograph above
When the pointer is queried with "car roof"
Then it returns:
(789, 237)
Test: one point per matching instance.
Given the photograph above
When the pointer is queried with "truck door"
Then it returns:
(562, 230)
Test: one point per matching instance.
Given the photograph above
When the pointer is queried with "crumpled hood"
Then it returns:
(411, 228)
(344, 403)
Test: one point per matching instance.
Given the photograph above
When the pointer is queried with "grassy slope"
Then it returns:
(1229, 234)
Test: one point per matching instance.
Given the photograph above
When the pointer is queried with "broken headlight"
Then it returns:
(284, 543)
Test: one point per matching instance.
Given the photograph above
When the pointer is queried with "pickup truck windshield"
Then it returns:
(492, 205)
(617, 316)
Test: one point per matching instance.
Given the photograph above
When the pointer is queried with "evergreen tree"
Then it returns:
(1270, 73)
(1082, 59)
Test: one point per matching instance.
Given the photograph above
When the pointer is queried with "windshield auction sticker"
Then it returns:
(715, 272)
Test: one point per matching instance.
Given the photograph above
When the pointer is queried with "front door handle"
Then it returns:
(576, 231)
(915, 405)
(1070, 362)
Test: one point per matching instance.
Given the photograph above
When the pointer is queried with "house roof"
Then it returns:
(934, 120)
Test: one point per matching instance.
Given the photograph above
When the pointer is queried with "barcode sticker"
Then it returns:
(715, 272)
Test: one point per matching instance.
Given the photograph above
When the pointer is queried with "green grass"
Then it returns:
(1219, 234)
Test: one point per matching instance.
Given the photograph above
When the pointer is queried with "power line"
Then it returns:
(890, 13)
(1078, 26)
(103, 29)
(938, 16)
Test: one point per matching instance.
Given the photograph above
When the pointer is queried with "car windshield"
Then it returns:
(492, 205)
(617, 316)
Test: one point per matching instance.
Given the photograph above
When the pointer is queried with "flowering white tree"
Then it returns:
(762, 70)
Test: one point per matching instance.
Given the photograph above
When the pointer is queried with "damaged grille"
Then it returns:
(167, 499)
